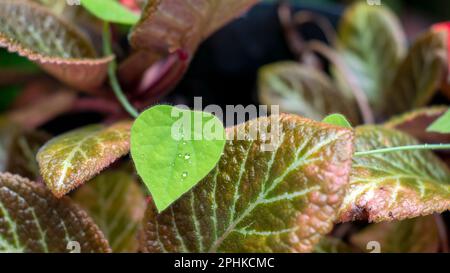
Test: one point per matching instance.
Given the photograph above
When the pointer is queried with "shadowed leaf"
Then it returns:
(332, 245)
(372, 44)
(302, 90)
(117, 204)
(282, 200)
(407, 236)
(420, 75)
(73, 158)
(34, 32)
(33, 220)
(396, 185)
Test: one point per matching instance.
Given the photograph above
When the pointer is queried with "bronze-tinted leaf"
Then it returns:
(299, 89)
(117, 204)
(395, 185)
(33, 220)
(420, 75)
(36, 33)
(407, 236)
(283, 200)
(75, 157)
(373, 45)
(416, 122)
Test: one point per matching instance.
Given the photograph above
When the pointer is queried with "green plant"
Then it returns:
(219, 194)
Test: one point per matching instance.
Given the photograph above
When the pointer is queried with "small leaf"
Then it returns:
(407, 236)
(34, 32)
(116, 202)
(171, 164)
(373, 45)
(420, 75)
(283, 200)
(73, 158)
(442, 125)
(111, 11)
(396, 185)
(338, 120)
(299, 89)
(35, 221)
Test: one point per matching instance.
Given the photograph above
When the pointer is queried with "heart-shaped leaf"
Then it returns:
(396, 185)
(33, 220)
(338, 120)
(299, 89)
(111, 11)
(407, 236)
(34, 32)
(117, 204)
(173, 149)
(256, 200)
(373, 45)
(420, 75)
(441, 125)
(73, 158)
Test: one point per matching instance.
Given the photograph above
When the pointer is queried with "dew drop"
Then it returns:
(187, 156)
(184, 175)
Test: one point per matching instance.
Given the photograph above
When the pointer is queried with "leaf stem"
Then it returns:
(107, 49)
(405, 148)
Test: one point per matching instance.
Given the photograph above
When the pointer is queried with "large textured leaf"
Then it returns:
(419, 76)
(303, 90)
(373, 45)
(261, 201)
(117, 204)
(75, 157)
(33, 220)
(408, 236)
(36, 33)
(396, 185)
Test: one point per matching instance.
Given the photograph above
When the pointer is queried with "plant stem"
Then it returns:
(405, 148)
(107, 49)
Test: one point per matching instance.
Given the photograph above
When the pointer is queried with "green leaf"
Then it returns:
(33, 220)
(373, 45)
(283, 200)
(117, 204)
(338, 120)
(419, 76)
(442, 125)
(73, 158)
(35, 32)
(111, 11)
(418, 235)
(302, 90)
(175, 156)
(397, 185)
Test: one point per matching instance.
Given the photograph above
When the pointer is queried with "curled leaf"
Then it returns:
(407, 236)
(36, 33)
(116, 203)
(299, 89)
(73, 158)
(256, 200)
(419, 76)
(373, 45)
(33, 220)
(396, 185)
